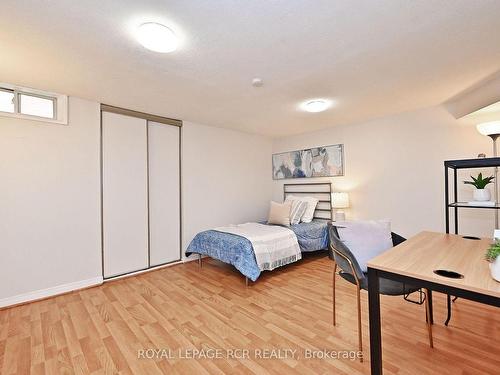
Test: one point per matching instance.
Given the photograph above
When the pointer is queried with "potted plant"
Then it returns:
(481, 193)
(493, 256)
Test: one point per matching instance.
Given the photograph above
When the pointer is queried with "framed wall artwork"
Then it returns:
(324, 161)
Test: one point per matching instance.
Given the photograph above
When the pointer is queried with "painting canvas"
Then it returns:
(323, 161)
(327, 161)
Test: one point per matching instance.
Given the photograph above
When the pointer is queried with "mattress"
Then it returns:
(312, 236)
(238, 251)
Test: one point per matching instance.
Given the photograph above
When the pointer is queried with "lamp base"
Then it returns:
(340, 216)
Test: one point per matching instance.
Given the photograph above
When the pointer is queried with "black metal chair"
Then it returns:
(352, 272)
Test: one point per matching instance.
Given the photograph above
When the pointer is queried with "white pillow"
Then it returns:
(279, 213)
(365, 239)
(311, 206)
(297, 211)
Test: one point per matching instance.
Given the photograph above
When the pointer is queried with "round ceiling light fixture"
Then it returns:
(157, 37)
(316, 105)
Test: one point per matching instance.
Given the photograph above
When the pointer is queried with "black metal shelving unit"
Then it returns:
(454, 166)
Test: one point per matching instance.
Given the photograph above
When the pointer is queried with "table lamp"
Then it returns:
(340, 201)
(492, 130)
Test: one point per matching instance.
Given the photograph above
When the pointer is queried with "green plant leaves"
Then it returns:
(493, 252)
(480, 182)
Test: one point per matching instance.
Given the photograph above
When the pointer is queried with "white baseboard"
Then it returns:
(154, 268)
(60, 289)
(182, 261)
(49, 292)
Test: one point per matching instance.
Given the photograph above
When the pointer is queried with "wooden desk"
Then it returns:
(414, 261)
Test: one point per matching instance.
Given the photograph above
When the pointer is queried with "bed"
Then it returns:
(237, 251)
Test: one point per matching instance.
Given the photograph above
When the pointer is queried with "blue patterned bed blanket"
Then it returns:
(238, 251)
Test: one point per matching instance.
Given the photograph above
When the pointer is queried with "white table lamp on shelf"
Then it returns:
(492, 130)
(340, 201)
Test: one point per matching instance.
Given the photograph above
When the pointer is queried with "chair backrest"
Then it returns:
(342, 262)
(340, 247)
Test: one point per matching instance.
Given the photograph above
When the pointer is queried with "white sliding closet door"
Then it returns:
(125, 194)
(164, 193)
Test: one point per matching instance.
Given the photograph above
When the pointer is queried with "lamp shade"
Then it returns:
(489, 128)
(340, 200)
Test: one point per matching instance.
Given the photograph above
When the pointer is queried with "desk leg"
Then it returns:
(375, 330)
(448, 305)
(431, 310)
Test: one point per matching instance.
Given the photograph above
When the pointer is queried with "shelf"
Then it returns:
(473, 163)
(466, 205)
(457, 165)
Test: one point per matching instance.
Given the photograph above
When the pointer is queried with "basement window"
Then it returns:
(26, 103)
(7, 101)
(37, 105)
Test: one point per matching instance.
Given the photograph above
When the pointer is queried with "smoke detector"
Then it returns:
(257, 82)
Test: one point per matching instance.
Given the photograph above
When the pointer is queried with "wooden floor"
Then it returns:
(103, 329)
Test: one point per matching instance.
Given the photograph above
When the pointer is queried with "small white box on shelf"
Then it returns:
(481, 203)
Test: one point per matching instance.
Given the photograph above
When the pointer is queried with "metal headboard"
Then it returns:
(319, 190)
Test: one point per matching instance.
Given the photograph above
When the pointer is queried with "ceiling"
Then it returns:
(373, 58)
(486, 114)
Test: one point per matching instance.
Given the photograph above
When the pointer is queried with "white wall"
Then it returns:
(226, 178)
(394, 168)
(50, 188)
(49, 202)
(50, 196)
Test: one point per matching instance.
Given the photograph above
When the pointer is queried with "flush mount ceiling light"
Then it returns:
(316, 105)
(157, 37)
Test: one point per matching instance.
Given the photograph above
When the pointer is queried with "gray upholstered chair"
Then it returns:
(352, 272)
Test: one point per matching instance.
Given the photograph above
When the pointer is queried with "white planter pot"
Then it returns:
(481, 195)
(495, 269)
